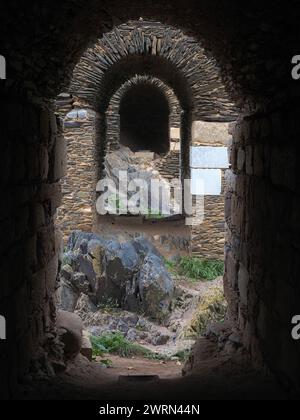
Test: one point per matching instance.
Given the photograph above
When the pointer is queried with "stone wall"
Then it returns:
(33, 151)
(208, 238)
(262, 244)
(77, 210)
(167, 54)
(79, 185)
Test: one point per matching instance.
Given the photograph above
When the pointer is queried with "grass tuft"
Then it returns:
(116, 343)
(196, 268)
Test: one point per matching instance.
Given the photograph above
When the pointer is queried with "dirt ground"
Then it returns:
(138, 366)
(215, 376)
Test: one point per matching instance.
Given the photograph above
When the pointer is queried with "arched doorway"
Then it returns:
(144, 116)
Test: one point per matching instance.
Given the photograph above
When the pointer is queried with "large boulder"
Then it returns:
(121, 265)
(130, 274)
(70, 329)
(85, 307)
(67, 296)
(156, 289)
(77, 238)
(143, 247)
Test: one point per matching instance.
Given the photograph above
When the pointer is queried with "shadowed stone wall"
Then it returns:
(262, 246)
(33, 151)
(78, 186)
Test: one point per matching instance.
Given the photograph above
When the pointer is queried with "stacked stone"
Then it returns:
(208, 238)
(187, 60)
(262, 212)
(79, 184)
(169, 165)
(32, 167)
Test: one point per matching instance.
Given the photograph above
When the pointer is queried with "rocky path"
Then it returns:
(126, 288)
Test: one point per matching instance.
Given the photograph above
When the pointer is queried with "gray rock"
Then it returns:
(132, 274)
(120, 267)
(144, 247)
(70, 329)
(95, 331)
(67, 272)
(77, 237)
(132, 335)
(85, 306)
(156, 289)
(160, 340)
(67, 296)
(85, 266)
(81, 283)
(86, 347)
(123, 327)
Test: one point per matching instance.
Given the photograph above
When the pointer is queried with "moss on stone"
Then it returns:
(212, 308)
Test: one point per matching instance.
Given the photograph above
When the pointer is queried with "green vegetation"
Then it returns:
(154, 215)
(98, 349)
(171, 266)
(116, 343)
(107, 363)
(183, 355)
(196, 268)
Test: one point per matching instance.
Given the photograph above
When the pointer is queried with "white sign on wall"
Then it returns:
(206, 157)
(206, 169)
(206, 182)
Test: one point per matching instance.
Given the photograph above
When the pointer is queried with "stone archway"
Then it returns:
(264, 161)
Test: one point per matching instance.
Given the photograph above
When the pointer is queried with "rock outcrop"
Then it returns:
(129, 275)
(70, 328)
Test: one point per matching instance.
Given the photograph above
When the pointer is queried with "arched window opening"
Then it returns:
(144, 114)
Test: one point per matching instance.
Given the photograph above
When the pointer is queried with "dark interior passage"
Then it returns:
(144, 113)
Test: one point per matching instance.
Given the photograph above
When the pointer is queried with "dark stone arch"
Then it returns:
(162, 52)
(225, 30)
(98, 96)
